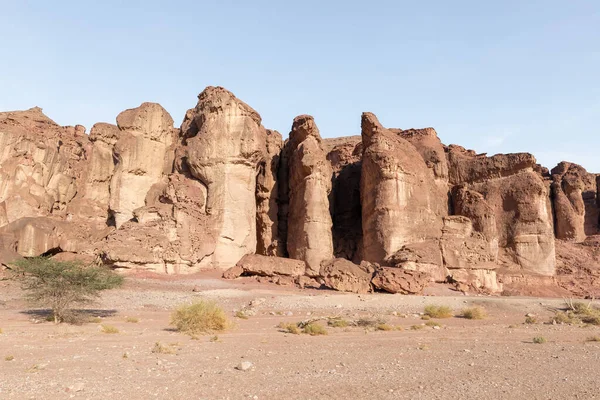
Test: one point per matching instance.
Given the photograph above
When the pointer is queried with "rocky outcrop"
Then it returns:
(576, 210)
(309, 222)
(401, 203)
(143, 156)
(391, 210)
(41, 165)
(223, 146)
(345, 276)
(508, 202)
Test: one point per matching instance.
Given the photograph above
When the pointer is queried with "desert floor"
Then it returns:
(494, 358)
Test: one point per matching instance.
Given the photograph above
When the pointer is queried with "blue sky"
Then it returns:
(495, 76)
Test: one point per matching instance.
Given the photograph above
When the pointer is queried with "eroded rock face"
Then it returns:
(143, 156)
(224, 144)
(508, 202)
(41, 165)
(267, 196)
(575, 203)
(345, 155)
(309, 236)
(401, 203)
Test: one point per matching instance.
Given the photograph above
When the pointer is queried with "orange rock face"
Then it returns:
(391, 209)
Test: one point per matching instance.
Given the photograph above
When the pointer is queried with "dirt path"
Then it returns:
(493, 358)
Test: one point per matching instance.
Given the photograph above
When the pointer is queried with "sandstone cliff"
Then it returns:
(391, 209)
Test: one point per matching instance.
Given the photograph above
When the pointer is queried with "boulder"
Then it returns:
(345, 276)
(309, 236)
(255, 264)
(400, 280)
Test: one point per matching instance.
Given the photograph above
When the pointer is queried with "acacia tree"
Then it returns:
(61, 284)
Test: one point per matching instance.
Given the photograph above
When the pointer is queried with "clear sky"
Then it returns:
(495, 76)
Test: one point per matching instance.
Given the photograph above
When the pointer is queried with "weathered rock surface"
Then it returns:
(267, 196)
(255, 264)
(401, 203)
(224, 192)
(345, 155)
(400, 280)
(309, 224)
(142, 155)
(576, 210)
(224, 144)
(345, 276)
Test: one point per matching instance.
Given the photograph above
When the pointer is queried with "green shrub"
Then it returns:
(474, 313)
(199, 318)
(60, 284)
(539, 340)
(434, 311)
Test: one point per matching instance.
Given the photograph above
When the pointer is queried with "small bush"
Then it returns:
(539, 340)
(132, 320)
(199, 318)
(565, 317)
(370, 322)
(593, 339)
(432, 324)
(425, 317)
(161, 349)
(385, 327)
(399, 327)
(530, 320)
(474, 313)
(215, 339)
(435, 311)
(417, 327)
(337, 323)
(1, 331)
(94, 320)
(241, 315)
(9, 358)
(289, 328)
(109, 329)
(314, 329)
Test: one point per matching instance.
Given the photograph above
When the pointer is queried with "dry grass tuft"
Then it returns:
(417, 327)
(132, 320)
(539, 340)
(200, 318)
(314, 329)
(109, 329)
(476, 312)
(530, 320)
(593, 339)
(338, 323)
(435, 311)
(385, 327)
(289, 328)
(432, 324)
(241, 315)
(159, 348)
(9, 358)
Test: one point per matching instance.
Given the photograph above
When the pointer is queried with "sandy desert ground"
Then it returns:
(494, 358)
